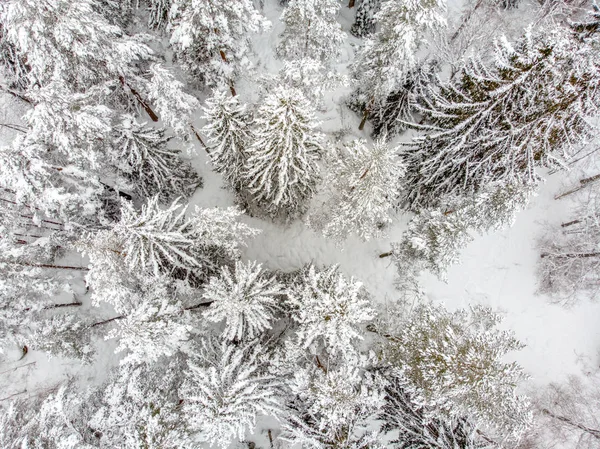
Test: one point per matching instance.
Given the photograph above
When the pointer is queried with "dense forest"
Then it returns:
(146, 144)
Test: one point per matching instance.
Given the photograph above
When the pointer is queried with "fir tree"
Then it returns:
(246, 299)
(229, 134)
(366, 182)
(282, 168)
(212, 39)
(311, 31)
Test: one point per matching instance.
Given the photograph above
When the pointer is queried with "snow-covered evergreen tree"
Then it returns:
(499, 122)
(212, 39)
(435, 238)
(418, 430)
(329, 309)
(157, 242)
(174, 106)
(331, 407)
(147, 162)
(282, 166)
(139, 407)
(224, 390)
(245, 299)
(311, 30)
(364, 20)
(309, 75)
(158, 13)
(71, 42)
(366, 184)
(454, 364)
(385, 61)
(56, 421)
(155, 325)
(229, 134)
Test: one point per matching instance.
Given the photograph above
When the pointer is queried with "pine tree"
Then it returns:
(71, 42)
(366, 182)
(138, 406)
(329, 308)
(212, 39)
(435, 238)
(155, 325)
(152, 167)
(224, 390)
(229, 133)
(453, 364)
(174, 106)
(282, 168)
(165, 242)
(311, 31)
(385, 61)
(331, 407)
(503, 121)
(418, 430)
(246, 299)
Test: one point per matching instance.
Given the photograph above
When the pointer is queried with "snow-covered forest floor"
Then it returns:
(496, 270)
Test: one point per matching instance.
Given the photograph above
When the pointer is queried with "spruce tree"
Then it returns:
(246, 299)
(282, 165)
(229, 134)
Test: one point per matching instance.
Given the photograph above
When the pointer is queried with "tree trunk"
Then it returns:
(594, 432)
(199, 139)
(466, 20)
(570, 255)
(43, 265)
(140, 100)
(569, 223)
(583, 183)
(388, 254)
(110, 320)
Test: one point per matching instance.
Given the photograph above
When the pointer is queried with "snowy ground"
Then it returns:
(496, 270)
